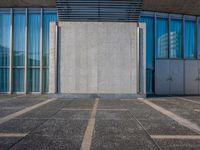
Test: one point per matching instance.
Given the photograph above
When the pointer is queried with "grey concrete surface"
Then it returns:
(96, 58)
(120, 124)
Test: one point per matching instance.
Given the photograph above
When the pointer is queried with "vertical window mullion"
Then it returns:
(11, 53)
(26, 55)
(41, 51)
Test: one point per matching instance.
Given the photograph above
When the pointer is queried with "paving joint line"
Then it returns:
(148, 134)
(178, 137)
(38, 126)
(87, 139)
(188, 100)
(25, 110)
(182, 121)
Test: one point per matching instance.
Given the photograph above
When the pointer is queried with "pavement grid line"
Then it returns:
(189, 100)
(13, 134)
(87, 139)
(182, 121)
(23, 111)
(178, 137)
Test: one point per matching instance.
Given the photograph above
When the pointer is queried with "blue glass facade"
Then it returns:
(19, 25)
(165, 36)
(47, 18)
(25, 31)
(5, 29)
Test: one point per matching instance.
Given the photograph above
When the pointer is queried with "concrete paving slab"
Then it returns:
(155, 122)
(72, 115)
(179, 144)
(47, 143)
(109, 104)
(46, 111)
(182, 108)
(21, 125)
(62, 129)
(14, 105)
(113, 115)
(118, 135)
(81, 104)
(6, 143)
(55, 126)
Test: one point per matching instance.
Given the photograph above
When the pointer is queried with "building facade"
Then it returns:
(126, 48)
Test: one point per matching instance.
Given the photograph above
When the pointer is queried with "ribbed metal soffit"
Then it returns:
(99, 10)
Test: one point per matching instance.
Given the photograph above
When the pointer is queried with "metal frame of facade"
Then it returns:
(41, 67)
(171, 16)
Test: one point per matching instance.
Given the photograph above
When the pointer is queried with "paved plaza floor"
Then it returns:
(38, 122)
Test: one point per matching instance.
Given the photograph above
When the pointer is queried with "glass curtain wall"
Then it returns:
(176, 38)
(149, 21)
(168, 34)
(19, 25)
(190, 39)
(47, 18)
(34, 22)
(162, 38)
(5, 27)
(37, 20)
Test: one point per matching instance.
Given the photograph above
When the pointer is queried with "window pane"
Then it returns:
(149, 21)
(48, 17)
(19, 25)
(19, 39)
(34, 80)
(34, 39)
(5, 22)
(18, 80)
(190, 41)
(34, 51)
(45, 80)
(162, 38)
(176, 39)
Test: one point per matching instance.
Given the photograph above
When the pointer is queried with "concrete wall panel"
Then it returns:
(96, 57)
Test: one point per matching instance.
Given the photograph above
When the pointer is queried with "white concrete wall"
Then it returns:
(97, 57)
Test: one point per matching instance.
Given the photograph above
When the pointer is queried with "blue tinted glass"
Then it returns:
(19, 27)
(149, 21)
(34, 24)
(175, 38)
(47, 18)
(34, 80)
(199, 39)
(5, 23)
(45, 80)
(162, 39)
(190, 40)
(4, 80)
(18, 80)
(34, 39)
(19, 38)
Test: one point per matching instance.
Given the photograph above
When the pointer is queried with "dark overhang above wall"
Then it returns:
(99, 10)
(188, 7)
(27, 3)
